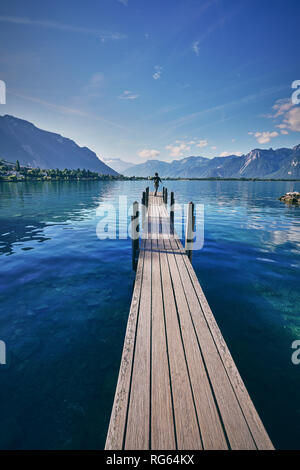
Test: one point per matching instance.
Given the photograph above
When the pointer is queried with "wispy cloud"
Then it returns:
(103, 35)
(202, 143)
(172, 125)
(67, 110)
(124, 2)
(218, 23)
(149, 153)
(128, 95)
(158, 71)
(281, 107)
(94, 85)
(195, 47)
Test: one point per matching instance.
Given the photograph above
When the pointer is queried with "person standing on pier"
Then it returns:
(156, 180)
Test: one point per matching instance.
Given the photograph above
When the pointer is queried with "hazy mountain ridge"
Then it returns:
(259, 163)
(23, 141)
(117, 164)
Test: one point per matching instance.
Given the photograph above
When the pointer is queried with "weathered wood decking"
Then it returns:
(178, 386)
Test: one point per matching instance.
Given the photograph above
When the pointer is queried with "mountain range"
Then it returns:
(34, 147)
(259, 163)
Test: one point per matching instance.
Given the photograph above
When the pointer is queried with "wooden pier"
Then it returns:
(178, 386)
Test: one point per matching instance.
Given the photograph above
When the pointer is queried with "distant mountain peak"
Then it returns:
(117, 164)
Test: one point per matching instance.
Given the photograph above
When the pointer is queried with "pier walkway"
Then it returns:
(178, 386)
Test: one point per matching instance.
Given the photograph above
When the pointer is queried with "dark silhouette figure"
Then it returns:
(156, 180)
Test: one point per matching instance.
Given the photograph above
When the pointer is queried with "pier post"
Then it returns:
(190, 227)
(166, 196)
(172, 203)
(147, 196)
(143, 209)
(135, 233)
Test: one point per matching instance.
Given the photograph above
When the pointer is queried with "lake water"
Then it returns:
(65, 297)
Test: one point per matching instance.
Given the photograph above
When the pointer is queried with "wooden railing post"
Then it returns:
(135, 234)
(143, 209)
(147, 196)
(190, 226)
(172, 203)
(166, 196)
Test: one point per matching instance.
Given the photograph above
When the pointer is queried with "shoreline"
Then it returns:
(140, 178)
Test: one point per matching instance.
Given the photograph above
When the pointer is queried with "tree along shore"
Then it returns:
(14, 172)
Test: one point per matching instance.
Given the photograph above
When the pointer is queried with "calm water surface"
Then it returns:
(65, 297)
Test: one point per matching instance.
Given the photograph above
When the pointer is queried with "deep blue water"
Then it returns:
(65, 297)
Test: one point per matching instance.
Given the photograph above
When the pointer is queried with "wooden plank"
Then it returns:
(162, 420)
(187, 431)
(138, 421)
(115, 435)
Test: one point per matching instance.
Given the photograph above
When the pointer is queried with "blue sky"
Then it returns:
(140, 79)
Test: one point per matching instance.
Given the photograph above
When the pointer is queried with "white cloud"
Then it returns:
(180, 147)
(289, 114)
(177, 150)
(284, 132)
(196, 47)
(158, 71)
(227, 154)
(128, 95)
(213, 147)
(264, 137)
(149, 153)
(291, 120)
(124, 2)
(103, 35)
(202, 143)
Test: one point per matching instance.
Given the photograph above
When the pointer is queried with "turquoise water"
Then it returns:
(65, 297)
